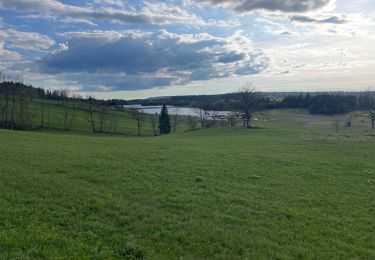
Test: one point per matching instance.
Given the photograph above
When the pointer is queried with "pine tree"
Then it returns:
(164, 121)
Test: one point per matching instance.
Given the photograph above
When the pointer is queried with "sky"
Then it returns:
(139, 49)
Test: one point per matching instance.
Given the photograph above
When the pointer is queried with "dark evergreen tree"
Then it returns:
(164, 121)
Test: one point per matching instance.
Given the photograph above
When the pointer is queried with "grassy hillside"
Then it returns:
(294, 188)
(54, 119)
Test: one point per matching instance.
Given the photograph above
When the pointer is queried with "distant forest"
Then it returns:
(324, 103)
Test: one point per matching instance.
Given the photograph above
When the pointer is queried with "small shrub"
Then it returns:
(131, 251)
(199, 179)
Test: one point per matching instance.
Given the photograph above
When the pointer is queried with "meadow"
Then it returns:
(294, 188)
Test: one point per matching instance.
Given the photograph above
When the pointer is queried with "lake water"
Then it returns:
(184, 111)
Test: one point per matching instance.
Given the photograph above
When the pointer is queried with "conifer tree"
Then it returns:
(164, 121)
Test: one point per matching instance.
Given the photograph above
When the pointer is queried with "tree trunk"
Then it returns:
(247, 120)
(42, 106)
(202, 119)
(48, 116)
(13, 105)
(92, 115)
(5, 110)
(66, 115)
(139, 127)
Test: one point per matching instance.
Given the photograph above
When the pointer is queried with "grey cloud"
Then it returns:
(286, 33)
(86, 13)
(142, 60)
(241, 6)
(330, 20)
(231, 57)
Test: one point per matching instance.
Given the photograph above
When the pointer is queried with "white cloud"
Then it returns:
(29, 41)
(167, 14)
(8, 55)
(116, 3)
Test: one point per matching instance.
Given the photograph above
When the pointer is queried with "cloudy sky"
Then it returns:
(135, 49)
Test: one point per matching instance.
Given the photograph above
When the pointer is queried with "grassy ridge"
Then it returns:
(287, 190)
(54, 119)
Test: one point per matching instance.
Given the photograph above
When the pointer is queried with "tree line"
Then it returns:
(24, 107)
(326, 103)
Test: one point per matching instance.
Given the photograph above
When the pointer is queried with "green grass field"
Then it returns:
(54, 119)
(294, 188)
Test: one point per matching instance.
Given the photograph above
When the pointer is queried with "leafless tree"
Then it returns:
(139, 117)
(25, 111)
(112, 122)
(76, 98)
(91, 113)
(5, 88)
(174, 118)
(192, 122)
(203, 115)
(103, 116)
(370, 104)
(214, 116)
(68, 115)
(232, 118)
(248, 101)
(48, 116)
(42, 109)
(154, 123)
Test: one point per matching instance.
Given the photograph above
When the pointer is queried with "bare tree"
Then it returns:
(174, 118)
(248, 101)
(370, 105)
(139, 117)
(42, 109)
(103, 114)
(91, 113)
(112, 122)
(5, 88)
(214, 116)
(203, 115)
(48, 116)
(68, 115)
(13, 92)
(192, 122)
(232, 118)
(154, 123)
(25, 111)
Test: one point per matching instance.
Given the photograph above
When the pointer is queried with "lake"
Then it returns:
(183, 111)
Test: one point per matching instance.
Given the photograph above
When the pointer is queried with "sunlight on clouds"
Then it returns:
(126, 49)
